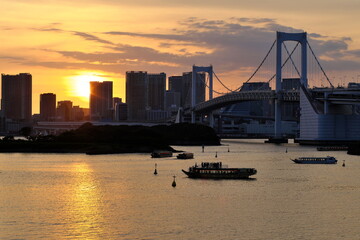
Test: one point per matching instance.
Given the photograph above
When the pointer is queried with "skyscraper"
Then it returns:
(101, 101)
(156, 91)
(175, 84)
(16, 96)
(136, 95)
(47, 107)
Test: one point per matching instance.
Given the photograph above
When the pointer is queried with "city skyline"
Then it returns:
(69, 44)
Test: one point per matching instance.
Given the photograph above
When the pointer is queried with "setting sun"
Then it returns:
(79, 84)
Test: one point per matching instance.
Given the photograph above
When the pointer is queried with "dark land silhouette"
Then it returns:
(115, 139)
(354, 149)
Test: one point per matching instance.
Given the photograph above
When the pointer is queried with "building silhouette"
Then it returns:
(101, 101)
(156, 91)
(136, 95)
(17, 96)
(121, 111)
(186, 87)
(47, 107)
(172, 101)
(175, 83)
(64, 111)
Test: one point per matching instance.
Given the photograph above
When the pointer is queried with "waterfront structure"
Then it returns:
(136, 97)
(16, 97)
(101, 101)
(156, 91)
(47, 107)
(329, 118)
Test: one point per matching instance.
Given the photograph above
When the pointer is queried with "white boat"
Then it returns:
(315, 160)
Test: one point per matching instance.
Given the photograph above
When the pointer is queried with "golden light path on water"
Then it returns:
(84, 202)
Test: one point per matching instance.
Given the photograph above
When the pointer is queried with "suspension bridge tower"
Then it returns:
(195, 70)
(280, 38)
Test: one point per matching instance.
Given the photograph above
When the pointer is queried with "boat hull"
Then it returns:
(314, 162)
(239, 174)
(185, 156)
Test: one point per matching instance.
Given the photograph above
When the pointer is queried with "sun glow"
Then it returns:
(80, 84)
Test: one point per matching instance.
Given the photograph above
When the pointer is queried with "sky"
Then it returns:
(65, 44)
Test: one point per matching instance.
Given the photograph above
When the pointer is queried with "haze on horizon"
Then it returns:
(64, 44)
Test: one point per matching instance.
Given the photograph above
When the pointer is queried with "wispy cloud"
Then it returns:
(229, 45)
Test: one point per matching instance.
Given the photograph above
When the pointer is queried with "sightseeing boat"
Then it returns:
(216, 170)
(315, 160)
(161, 154)
(185, 155)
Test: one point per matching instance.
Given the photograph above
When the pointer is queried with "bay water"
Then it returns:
(78, 196)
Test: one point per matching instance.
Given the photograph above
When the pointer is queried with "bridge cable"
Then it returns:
(222, 83)
(319, 64)
(262, 62)
(284, 62)
(292, 61)
(257, 69)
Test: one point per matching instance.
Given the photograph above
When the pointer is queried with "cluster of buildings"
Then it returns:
(147, 100)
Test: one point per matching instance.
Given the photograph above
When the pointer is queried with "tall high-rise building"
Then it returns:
(156, 91)
(16, 96)
(175, 84)
(101, 101)
(136, 95)
(47, 107)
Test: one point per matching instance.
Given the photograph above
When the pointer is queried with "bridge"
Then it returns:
(322, 100)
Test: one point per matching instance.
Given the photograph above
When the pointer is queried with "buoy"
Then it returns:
(173, 183)
(343, 163)
(155, 172)
(216, 154)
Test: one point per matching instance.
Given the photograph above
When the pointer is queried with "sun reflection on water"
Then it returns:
(83, 208)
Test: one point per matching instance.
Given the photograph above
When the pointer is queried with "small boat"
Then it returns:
(216, 170)
(161, 154)
(315, 160)
(185, 155)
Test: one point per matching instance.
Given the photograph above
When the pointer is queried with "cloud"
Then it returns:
(91, 37)
(84, 35)
(230, 45)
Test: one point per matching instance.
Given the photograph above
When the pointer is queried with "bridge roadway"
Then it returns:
(346, 96)
(232, 98)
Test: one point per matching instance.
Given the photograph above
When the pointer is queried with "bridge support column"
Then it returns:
(280, 38)
(211, 119)
(326, 103)
(194, 93)
(193, 117)
(278, 107)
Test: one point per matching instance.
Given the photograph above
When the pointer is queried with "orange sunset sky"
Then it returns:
(65, 43)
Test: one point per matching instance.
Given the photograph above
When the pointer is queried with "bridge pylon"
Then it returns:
(280, 38)
(195, 70)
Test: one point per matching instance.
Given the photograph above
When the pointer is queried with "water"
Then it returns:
(76, 196)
